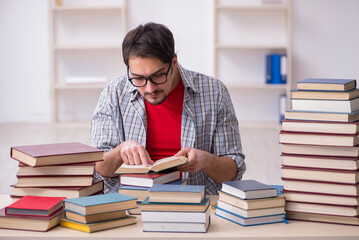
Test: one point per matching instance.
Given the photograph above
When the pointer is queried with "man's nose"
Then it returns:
(150, 87)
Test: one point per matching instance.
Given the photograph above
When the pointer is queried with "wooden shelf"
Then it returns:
(65, 86)
(257, 86)
(249, 47)
(88, 47)
(263, 7)
(90, 7)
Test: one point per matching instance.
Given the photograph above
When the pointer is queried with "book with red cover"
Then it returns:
(54, 181)
(35, 206)
(320, 150)
(321, 208)
(325, 218)
(147, 180)
(84, 169)
(320, 126)
(327, 139)
(56, 154)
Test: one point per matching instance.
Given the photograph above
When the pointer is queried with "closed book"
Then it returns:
(268, 69)
(186, 227)
(147, 180)
(248, 189)
(321, 174)
(249, 221)
(320, 126)
(320, 150)
(276, 76)
(322, 116)
(56, 154)
(327, 139)
(35, 206)
(98, 217)
(176, 193)
(319, 105)
(175, 207)
(252, 203)
(100, 203)
(326, 84)
(329, 95)
(325, 218)
(97, 226)
(54, 181)
(325, 162)
(30, 223)
(340, 210)
(83, 169)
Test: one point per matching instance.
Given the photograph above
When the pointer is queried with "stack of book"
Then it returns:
(98, 212)
(176, 208)
(320, 152)
(57, 170)
(249, 202)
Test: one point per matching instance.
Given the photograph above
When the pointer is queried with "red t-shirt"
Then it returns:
(163, 137)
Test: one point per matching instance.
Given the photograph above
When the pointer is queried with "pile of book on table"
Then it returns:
(135, 180)
(249, 202)
(98, 212)
(57, 170)
(176, 208)
(320, 152)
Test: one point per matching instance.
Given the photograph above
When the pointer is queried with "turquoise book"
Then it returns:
(176, 193)
(100, 203)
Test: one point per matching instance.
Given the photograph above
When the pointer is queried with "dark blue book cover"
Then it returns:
(248, 185)
(276, 77)
(269, 69)
(176, 188)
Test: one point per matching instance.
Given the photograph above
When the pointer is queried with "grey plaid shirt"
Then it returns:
(209, 123)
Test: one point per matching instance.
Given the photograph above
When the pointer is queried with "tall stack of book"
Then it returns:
(249, 203)
(320, 152)
(98, 212)
(56, 170)
(176, 208)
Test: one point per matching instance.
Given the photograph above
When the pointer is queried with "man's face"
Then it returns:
(151, 66)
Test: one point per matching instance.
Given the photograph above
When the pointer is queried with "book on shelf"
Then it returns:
(175, 207)
(35, 206)
(148, 179)
(56, 154)
(321, 187)
(315, 161)
(97, 226)
(325, 218)
(321, 208)
(68, 192)
(320, 126)
(276, 68)
(269, 68)
(252, 203)
(99, 203)
(296, 196)
(283, 69)
(250, 213)
(249, 221)
(248, 189)
(54, 181)
(329, 95)
(176, 193)
(30, 223)
(98, 217)
(326, 84)
(320, 174)
(322, 116)
(320, 105)
(327, 139)
(85, 169)
(321, 150)
(159, 165)
(176, 227)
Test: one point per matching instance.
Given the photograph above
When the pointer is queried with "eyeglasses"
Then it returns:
(141, 81)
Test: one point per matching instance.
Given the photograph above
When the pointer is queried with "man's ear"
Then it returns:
(175, 62)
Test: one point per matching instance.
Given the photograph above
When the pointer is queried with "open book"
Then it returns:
(159, 165)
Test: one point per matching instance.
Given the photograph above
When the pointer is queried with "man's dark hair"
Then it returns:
(149, 40)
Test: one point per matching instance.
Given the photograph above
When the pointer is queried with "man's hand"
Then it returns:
(133, 153)
(197, 159)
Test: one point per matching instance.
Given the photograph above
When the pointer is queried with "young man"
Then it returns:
(160, 109)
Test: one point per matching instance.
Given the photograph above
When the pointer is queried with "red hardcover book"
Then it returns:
(327, 139)
(35, 206)
(56, 154)
(320, 126)
(147, 180)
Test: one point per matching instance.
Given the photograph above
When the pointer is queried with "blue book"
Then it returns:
(276, 77)
(326, 84)
(176, 193)
(269, 69)
(248, 189)
(100, 203)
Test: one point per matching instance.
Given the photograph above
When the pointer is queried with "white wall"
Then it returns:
(325, 44)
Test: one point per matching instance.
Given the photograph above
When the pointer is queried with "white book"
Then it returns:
(192, 217)
(318, 105)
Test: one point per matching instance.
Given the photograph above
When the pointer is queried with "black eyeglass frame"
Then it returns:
(149, 77)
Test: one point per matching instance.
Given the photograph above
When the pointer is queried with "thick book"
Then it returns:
(176, 193)
(54, 181)
(326, 84)
(82, 169)
(159, 165)
(97, 226)
(148, 179)
(325, 218)
(35, 206)
(340, 210)
(30, 223)
(327, 139)
(321, 150)
(321, 174)
(146, 205)
(319, 105)
(56, 154)
(100, 203)
(328, 95)
(67, 192)
(252, 203)
(248, 189)
(98, 217)
(249, 221)
(325, 162)
(320, 126)
(185, 227)
(322, 116)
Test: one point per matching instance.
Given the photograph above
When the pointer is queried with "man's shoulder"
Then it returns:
(118, 87)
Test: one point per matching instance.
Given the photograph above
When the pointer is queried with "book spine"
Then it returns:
(276, 78)
(283, 68)
(269, 69)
